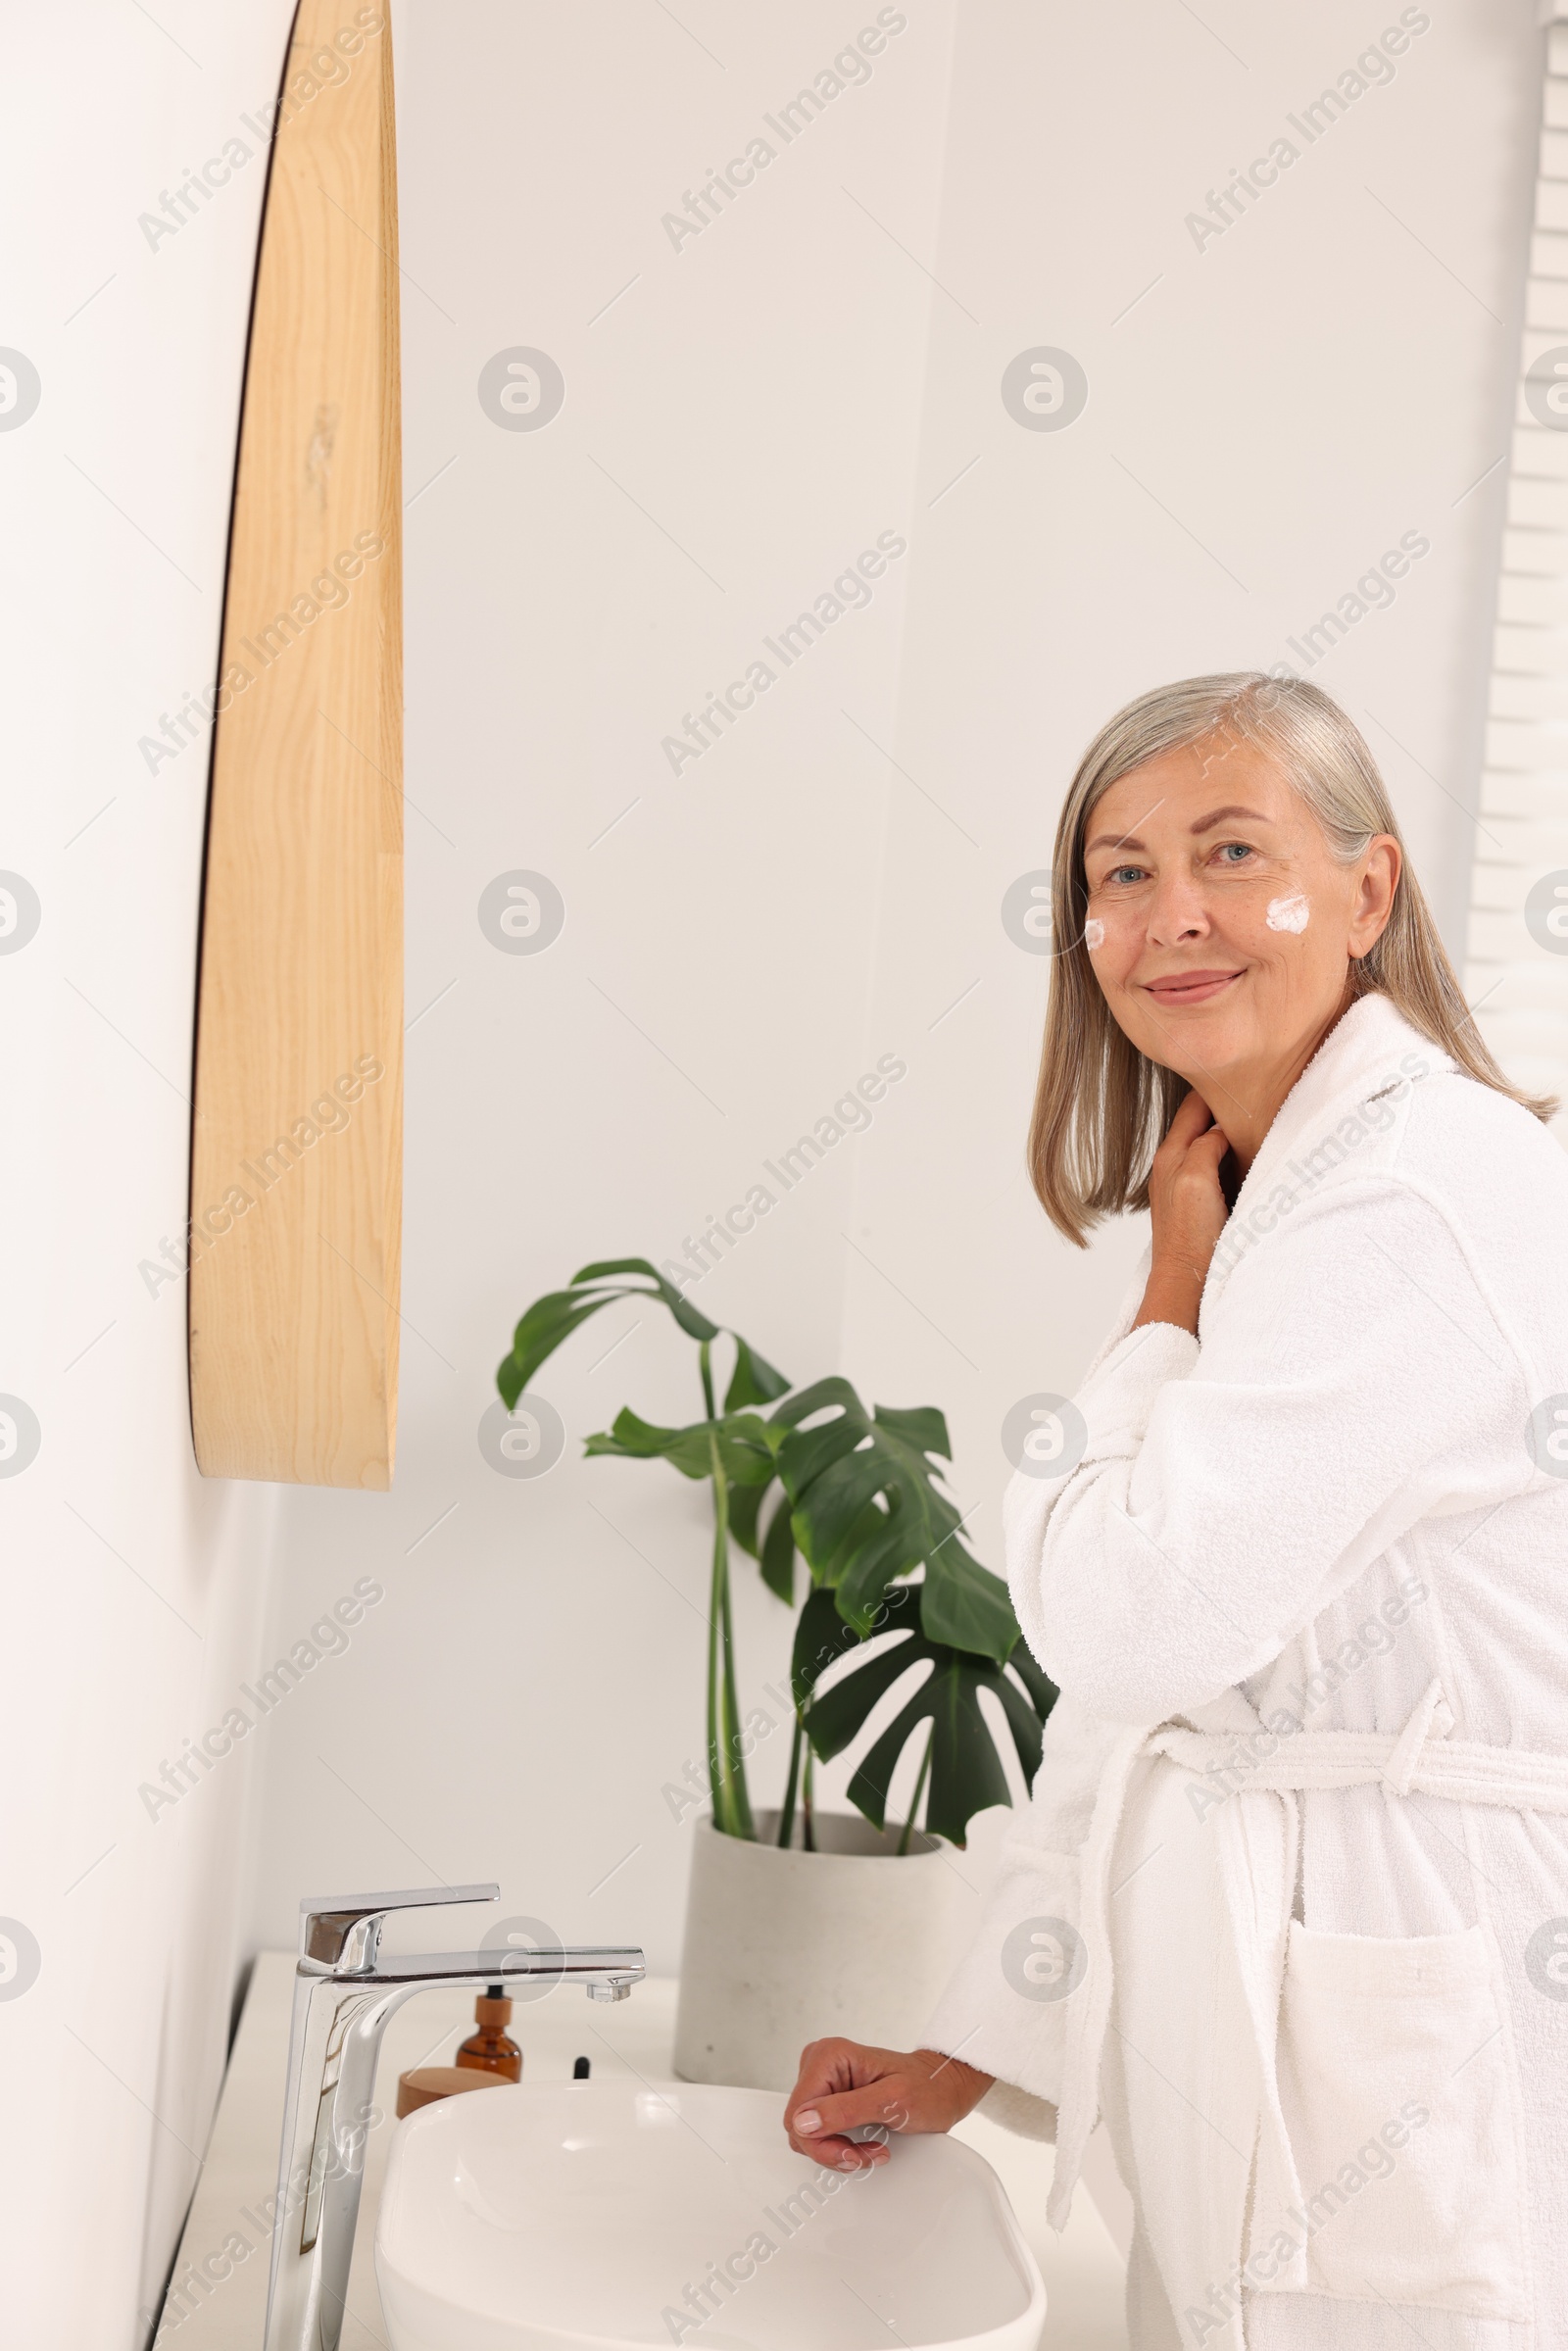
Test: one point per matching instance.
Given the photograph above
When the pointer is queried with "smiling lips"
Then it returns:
(1191, 987)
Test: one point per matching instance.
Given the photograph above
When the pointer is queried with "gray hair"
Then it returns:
(1102, 1108)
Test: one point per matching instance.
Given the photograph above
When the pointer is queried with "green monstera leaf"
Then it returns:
(553, 1319)
(858, 1493)
(744, 1453)
(866, 1511)
(774, 1551)
(966, 1773)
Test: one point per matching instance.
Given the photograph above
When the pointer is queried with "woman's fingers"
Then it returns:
(1193, 1143)
(829, 2067)
(1202, 1157)
(822, 2128)
(813, 2131)
(1188, 1211)
(844, 2087)
(839, 2154)
(851, 2110)
(1193, 1116)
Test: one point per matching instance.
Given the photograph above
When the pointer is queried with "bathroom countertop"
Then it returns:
(1083, 2269)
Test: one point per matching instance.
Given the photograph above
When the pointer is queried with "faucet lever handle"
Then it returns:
(342, 1933)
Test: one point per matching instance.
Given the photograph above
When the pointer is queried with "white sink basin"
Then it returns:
(567, 2215)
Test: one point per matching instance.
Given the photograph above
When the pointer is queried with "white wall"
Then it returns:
(1307, 387)
(738, 428)
(132, 1591)
(742, 418)
(1279, 407)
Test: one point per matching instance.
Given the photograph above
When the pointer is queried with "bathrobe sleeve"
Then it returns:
(1351, 1379)
(1006, 2006)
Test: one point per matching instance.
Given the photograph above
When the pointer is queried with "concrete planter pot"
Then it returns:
(786, 1947)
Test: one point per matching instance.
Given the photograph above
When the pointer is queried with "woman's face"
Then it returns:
(1220, 926)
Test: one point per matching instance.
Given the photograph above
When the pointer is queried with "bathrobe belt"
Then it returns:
(1420, 1760)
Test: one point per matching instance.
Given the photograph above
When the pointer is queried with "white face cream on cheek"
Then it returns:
(1288, 914)
(1094, 933)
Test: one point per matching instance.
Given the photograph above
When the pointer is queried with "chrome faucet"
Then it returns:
(344, 1992)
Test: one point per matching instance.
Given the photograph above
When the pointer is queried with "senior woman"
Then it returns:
(1288, 1908)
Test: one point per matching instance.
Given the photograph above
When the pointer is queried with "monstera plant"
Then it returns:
(857, 1495)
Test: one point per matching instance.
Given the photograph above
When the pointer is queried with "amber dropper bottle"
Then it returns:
(491, 2050)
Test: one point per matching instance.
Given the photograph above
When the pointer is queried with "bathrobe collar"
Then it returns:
(1371, 1054)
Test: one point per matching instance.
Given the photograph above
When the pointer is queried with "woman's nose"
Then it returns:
(1178, 915)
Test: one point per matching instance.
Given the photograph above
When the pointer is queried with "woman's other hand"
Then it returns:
(1187, 1209)
(844, 2087)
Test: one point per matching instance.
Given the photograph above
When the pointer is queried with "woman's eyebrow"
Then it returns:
(1219, 816)
(1204, 824)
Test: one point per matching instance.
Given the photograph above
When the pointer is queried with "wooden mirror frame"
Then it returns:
(296, 1156)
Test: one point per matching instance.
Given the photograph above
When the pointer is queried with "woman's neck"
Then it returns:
(1246, 1101)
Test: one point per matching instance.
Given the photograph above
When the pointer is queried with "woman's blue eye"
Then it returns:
(1241, 849)
(1121, 873)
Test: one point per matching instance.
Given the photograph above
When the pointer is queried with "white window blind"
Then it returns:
(1516, 971)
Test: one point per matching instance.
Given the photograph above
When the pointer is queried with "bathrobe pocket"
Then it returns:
(1397, 2090)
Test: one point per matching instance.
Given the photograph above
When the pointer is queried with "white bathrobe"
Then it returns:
(1290, 1905)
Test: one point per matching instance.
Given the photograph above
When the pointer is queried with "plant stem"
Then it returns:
(807, 1828)
(732, 1810)
(740, 1800)
(786, 1818)
(716, 1789)
(714, 1776)
(719, 1751)
(920, 1791)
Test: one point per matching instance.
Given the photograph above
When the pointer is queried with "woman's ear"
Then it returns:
(1372, 901)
